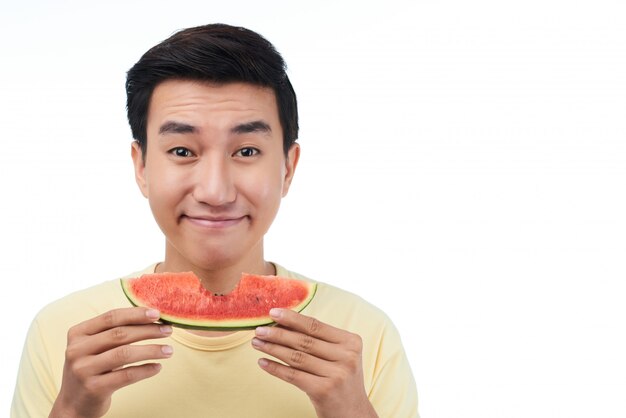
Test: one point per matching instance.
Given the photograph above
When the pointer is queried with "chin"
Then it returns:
(214, 259)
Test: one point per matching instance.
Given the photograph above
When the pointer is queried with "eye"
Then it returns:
(247, 152)
(181, 152)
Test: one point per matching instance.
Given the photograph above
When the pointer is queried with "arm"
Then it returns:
(323, 361)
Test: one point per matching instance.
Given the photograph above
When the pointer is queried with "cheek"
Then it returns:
(164, 192)
(265, 192)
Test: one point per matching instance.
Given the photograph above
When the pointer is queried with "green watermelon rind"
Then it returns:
(239, 324)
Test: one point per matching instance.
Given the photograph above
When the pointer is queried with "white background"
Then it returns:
(463, 168)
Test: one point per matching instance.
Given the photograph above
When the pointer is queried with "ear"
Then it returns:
(140, 166)
(291, 162)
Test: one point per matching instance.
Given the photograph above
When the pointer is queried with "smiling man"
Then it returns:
(214, 174)
(214, 118)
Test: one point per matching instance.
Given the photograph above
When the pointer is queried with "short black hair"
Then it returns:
(216, 53)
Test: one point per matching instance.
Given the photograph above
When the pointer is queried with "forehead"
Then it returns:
(209, 103)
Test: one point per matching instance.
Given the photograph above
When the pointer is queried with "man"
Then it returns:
(214, 118)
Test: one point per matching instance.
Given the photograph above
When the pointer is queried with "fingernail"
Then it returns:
(263, 363)
(257, 343)
(262, 331)
(167, 349)
(165, 329)
(276, 313)
(153, 314)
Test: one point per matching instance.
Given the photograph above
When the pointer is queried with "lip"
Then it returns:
(217, 222)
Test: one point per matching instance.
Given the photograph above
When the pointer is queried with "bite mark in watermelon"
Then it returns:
(184, 302)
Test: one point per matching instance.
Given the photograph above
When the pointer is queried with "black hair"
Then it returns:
(216, 53)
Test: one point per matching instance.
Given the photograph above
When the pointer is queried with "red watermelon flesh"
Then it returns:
(183, 301)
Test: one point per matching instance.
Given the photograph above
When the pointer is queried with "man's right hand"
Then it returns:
(98, 355)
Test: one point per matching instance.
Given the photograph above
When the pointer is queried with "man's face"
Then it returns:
(215, 170)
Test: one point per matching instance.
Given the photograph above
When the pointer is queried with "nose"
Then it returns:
(213, 183)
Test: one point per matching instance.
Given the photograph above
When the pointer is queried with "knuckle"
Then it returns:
(79, 369)
(75, 368)
(290, 375)
(119, 334)
(129, 374)
(72, 334)
(122, 354)
(71, 353)
(324, 389)
(341, 376)
(306, 343)
(353, 360)
(354, 363)
(109, 318)
(92, 386)
(314, 326)
(356, 343)
(297, 357)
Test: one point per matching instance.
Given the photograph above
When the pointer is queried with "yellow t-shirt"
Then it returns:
(214, 376)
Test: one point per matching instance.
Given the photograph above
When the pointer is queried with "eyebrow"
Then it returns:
(176, 128)
(172, 127)
(251, 127)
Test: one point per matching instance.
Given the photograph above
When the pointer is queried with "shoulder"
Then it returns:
(385, 364)
(47, 337)
(85, 303)
(342, 308)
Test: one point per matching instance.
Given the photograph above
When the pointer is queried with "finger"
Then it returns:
(123, 335)
(299, 341)
(115, 318)
(126, 354)
(298, 378)
(110, 382)
(294, 358)
(307, 325)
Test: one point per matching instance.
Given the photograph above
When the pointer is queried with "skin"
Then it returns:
(214, 174)
(323, 361)
(97, 351)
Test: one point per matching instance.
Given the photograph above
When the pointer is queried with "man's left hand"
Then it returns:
(323, 361)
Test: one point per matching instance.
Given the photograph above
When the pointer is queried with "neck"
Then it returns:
(217, 276)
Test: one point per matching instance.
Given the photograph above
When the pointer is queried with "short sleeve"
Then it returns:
(393, 392)
(35, 391)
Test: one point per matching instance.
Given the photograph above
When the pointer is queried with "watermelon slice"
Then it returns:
(184, 302)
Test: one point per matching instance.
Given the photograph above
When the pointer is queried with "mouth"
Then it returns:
(215, 222)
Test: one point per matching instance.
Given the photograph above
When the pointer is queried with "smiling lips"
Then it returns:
(213, 222)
